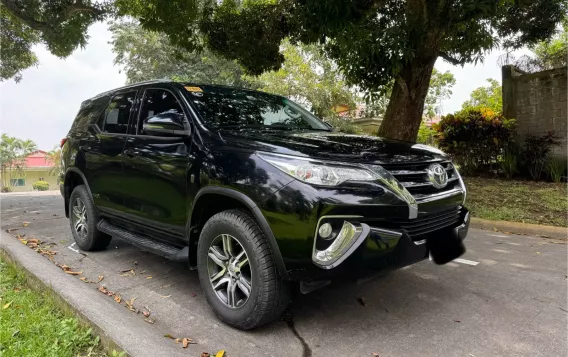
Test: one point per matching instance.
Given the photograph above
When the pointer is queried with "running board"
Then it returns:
(162, 249)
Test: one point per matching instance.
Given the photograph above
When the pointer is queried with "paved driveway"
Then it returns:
(512, 303)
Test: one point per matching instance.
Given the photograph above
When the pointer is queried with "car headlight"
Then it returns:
(319, 172)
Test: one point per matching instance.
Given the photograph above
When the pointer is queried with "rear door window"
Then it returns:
(90, 111)
(117, 113)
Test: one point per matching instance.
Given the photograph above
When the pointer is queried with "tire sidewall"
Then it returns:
(213, 228)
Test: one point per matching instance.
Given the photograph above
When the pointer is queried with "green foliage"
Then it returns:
(54, 158)
(145, 55)
(5, 189)
(34, 325)
(309, 78)
(474, 137)
(509, 160)
(553, 52)
(556, 168)
(486, 97)
(41, 185)
(426, 135)
(13, 152)
(536, 151)
(60, 25)
(440, 88)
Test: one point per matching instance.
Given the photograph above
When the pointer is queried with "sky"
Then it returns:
(43, 105)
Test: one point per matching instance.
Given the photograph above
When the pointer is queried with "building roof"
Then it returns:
(39, 159)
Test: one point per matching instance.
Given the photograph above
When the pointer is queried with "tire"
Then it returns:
(268, 295)
(81, 208)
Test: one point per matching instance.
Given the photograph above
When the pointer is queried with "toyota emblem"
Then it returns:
(437, 175)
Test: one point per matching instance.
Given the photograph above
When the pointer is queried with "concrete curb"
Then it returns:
(117, 327)
(521, 228)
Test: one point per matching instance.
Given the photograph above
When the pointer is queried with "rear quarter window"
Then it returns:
(90, 111)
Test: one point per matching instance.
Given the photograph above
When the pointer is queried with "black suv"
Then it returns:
(253, 191)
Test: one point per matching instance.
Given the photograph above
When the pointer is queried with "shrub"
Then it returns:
(509, 162)
(6, 189)
(41, 185)
(556, 168)
(426, 135)
(535, 153)
(474, 137)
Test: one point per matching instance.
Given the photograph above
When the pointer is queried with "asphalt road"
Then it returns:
(512, 303)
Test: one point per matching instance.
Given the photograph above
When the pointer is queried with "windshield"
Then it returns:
(232, 108)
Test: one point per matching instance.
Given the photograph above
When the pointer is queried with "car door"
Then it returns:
(155, 168)
(103, 152)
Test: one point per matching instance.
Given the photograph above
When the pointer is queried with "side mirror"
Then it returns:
(166, 124)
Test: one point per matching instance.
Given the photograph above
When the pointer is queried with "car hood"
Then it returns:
(332, 146)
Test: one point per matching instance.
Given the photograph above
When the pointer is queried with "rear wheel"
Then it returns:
(83, 218)
(237, 271)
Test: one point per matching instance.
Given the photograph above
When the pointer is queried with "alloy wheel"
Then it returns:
(229, 270)
(80, 223)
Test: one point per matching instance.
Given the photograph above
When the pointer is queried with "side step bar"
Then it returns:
(162, 249)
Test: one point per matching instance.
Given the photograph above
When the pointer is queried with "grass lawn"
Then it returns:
(519, 201)
(32, 323)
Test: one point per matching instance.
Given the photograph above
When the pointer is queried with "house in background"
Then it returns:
(38, 167)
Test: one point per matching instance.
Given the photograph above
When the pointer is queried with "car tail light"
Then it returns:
(63, 141)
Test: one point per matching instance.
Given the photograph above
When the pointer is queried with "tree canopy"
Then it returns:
(374, 43)
(145, 55)
(486, 97)
(60, 25)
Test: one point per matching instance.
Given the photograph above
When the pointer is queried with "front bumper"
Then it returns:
(374, 247)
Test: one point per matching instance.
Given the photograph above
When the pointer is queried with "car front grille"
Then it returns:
(415, 179)
(416, 228)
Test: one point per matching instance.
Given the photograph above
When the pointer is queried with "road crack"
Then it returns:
(288, 317)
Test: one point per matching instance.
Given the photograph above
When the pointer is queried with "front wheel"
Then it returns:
(237, 271)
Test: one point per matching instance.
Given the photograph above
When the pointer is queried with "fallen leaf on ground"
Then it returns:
(142, 272)
(25, 224)
(130, 305)
(362, 301)
(185, 342)
(117, 298)
(70, 272)
(16, 289)
(149, 277)
(538, 253)
(146, 313)
(102, 289)
(150, 321)
(101, 278)
(375, 354)
(85, 280)
(169, 336)
(7, 305)
(131, 271)
(220, 353)
(10, 230)
(166, 285)
(193, 294)
(165, 296)
(204, 354)
(457, 321)
(34, 241)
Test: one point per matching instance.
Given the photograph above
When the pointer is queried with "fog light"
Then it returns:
(325, 231)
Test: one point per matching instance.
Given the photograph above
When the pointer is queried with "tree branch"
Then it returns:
(72, 9)
(450, 59)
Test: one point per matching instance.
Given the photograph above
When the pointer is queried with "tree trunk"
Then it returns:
(404, 111)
